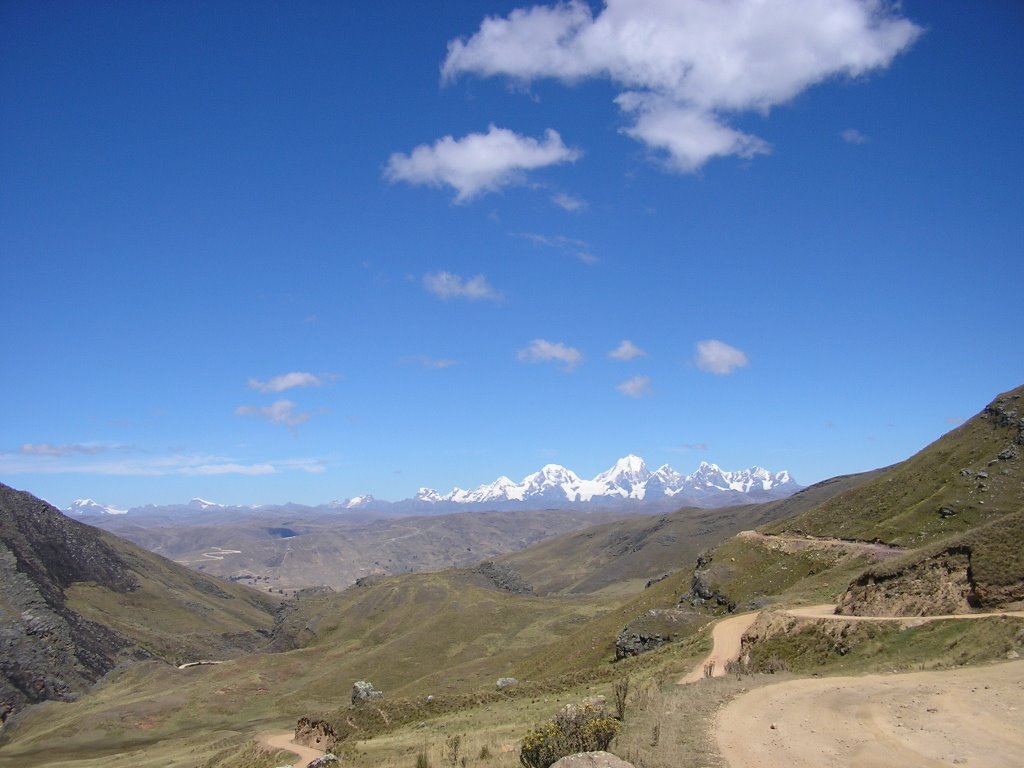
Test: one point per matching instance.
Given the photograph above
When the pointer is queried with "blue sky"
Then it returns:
(260, 252)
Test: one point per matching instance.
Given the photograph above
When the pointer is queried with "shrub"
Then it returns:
(451, 749)
(574, 729)
(422, 761)
(621, 690)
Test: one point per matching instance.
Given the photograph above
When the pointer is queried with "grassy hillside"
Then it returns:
(966, 478)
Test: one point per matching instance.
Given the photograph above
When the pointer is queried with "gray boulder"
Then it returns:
(506, 682)
(363, 691)
(323, 762)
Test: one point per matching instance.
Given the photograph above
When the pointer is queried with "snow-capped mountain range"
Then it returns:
(629, 479)
(629, 484)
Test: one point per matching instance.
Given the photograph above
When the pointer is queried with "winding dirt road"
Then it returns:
(726, 636)
(284, 741)
(970, 716)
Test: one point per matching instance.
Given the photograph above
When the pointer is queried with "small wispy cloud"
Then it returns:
(626, 351)
(180, 464)
(694, 446)
(430, 362)
(446, 285)
(63, 449)
(206, 470)
(479, 162)
(291, 381)
(853, 136)
(954, 420)
(541, 351)
(578, 249)
(569, 202)
(638, 386)
(719, 358)
(279, 412)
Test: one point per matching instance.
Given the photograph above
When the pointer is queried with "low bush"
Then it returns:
(575, 729)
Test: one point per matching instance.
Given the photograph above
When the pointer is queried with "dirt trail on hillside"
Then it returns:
(798, 543)
(284, 741)
(971, 716)
(828, 611)
(726, 637)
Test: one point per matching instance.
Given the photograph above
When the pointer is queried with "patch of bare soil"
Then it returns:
(971, 716)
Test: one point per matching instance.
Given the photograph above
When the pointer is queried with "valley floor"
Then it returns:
(969, 716)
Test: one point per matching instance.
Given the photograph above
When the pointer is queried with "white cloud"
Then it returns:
(540, 351)
(688, 67)
(569, 202)
(853, 136)
(290, 381)
(445, 285)
(638, 386)
(479, 162)
(717, 357)
(279, 412)
(626, 351)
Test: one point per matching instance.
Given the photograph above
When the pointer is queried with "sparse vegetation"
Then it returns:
(620, 688)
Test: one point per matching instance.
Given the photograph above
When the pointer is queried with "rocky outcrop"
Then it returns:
(703, 591)
(504, 578)
(651, 630)
(505, 682)
(592, 760)
(1007, 411)
(314, 733)
(363, 691)
(940, 585)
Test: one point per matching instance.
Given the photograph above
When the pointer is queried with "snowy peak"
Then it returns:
(202, 504)
(89, 507)
(629, 470)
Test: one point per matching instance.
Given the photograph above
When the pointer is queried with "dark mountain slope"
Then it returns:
(75, 601)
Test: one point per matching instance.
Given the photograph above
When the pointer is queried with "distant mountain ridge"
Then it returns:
(628, 480)
(627, 484)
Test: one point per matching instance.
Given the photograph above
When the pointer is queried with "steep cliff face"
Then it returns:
(73, 597)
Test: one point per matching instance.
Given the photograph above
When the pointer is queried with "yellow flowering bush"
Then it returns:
(575, 729)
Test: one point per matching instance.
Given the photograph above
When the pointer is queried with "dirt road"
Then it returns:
(971, 716)
(284, 741)
(726, 638)
(727, 633)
